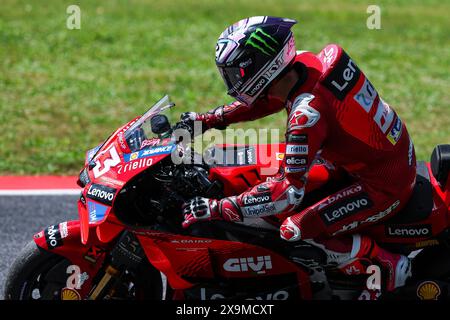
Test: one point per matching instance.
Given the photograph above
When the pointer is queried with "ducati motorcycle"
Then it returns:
(128, 242)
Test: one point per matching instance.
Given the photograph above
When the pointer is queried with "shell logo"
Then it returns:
(279, 156)
(134, 155)
(70, 294)
(428, 290)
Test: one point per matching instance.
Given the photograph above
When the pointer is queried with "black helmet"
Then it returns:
(252, 53)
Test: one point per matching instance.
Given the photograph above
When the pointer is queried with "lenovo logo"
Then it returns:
(101, 193)
(343, 77)
(346, 208)
(347, 75)
(418, 231)
(259, 266)
(257, 199)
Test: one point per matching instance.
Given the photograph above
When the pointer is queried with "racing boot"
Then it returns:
(396, 267)
(352, 256)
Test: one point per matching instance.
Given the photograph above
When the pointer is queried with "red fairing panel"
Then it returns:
(64, 240)
(186, 260)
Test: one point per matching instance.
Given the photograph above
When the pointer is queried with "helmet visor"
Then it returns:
(233, 78)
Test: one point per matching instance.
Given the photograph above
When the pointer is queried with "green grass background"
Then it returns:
(63, 91)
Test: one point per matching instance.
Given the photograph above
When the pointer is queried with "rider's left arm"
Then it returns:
(305, 135)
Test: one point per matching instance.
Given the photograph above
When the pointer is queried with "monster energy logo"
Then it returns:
(260, 40)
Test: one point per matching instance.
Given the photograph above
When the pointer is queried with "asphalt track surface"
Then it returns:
(22, 216)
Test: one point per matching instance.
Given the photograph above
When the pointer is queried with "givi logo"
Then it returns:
(262, 264)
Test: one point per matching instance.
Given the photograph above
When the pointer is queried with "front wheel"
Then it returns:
(36, 274)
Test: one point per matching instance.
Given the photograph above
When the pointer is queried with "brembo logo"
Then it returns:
(259, 266)
(418, 231)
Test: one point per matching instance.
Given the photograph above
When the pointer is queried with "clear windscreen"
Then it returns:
(141, 130)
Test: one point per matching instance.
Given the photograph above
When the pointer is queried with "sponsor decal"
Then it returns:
(110, 180)
(96, 211)
(296, 169)
(259, 210)
(70, 294)
(343, 77)
(150, 142)
(262, 188)
(280, 295)
(302, 114)
(122, 143)
(257, 199)
(53, 235)
(132, 156)
(231, 215)
(426, 243)
(428, 290)
(101, 193)
(345, 193)
(296, 161)
(416, 231)
(191, 241)
(366, 95)
(380, 215)
(93, 254)
(384, 116)
(346, 208)
(155, 151)
(296, 149)
(135, 165)
(63, 230)
(259, 84)
(259, 265)
(279, 156)
(396, 131)
(297, 138)
(328, 55)
(246, 63)
(262, 41)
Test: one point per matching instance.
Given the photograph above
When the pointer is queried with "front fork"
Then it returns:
(127, 254)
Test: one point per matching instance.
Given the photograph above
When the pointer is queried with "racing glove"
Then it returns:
(187, 122)
(204, 209)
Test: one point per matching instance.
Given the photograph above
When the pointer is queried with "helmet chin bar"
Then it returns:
(268, 73)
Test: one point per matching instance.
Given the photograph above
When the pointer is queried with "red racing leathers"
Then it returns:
(337, 114)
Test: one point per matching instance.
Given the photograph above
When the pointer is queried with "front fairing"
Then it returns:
(111, 165)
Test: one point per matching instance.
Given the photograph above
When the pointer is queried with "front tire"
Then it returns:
(36, 274)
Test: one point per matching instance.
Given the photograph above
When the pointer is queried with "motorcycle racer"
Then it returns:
(333, 112)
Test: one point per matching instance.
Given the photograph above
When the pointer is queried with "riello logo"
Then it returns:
(260, 266)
